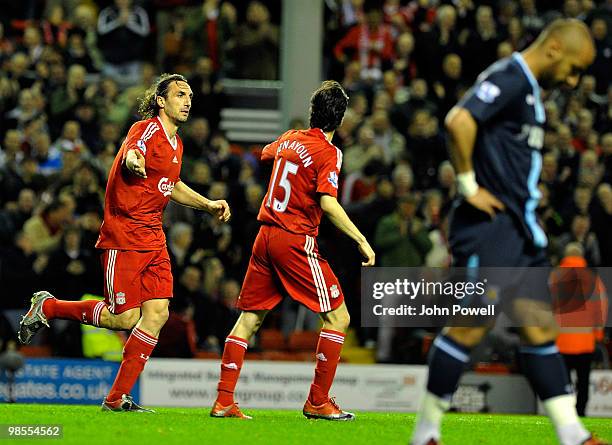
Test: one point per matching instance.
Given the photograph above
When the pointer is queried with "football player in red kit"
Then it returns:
(144, 177)
(303, 186)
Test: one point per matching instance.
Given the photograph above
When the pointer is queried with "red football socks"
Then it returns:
(136, 352)
(86, 312)
(231, 363)
(328, 356)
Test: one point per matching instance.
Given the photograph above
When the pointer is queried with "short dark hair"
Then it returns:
(148, 107)
(327, 106)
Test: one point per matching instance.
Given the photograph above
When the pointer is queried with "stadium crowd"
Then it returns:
(72, 70)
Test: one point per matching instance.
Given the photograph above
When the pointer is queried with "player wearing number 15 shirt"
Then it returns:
(285, 258)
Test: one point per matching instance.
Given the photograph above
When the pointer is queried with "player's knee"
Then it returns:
(127, 320)
(250, 322)
(124, 321)
(537, 335)
(469, 337)
(338, 320)
(344, 321)
(158, 317)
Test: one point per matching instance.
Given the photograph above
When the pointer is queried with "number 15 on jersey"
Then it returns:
(288, 168)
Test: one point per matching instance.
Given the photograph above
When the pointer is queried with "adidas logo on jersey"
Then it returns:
(174, 160)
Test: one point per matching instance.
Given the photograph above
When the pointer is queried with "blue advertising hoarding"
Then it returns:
(66, 381)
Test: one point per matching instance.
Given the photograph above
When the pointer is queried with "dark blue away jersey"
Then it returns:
(505, 101)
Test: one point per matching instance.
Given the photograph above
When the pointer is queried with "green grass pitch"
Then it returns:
(86, 425)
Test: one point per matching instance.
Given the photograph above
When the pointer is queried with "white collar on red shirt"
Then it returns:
(173, 141)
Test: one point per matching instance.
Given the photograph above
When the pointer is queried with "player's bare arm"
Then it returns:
(135, 162)
(340, 219)
(462, 129)
(185, 195)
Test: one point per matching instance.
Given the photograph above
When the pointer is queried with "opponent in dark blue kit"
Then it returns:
(495, 138)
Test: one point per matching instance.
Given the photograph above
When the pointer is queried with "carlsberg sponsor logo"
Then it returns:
(165, 186)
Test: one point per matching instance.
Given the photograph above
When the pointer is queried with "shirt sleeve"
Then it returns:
(491, 94)
(139, 137)
(269, 151)
(328, 174)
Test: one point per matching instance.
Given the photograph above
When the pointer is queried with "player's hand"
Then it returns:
(485, 201)
(220, 209)
(135, 162)
(367, 252)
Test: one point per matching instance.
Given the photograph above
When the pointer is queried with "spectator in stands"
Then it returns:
(532, 21)
(6, 46)
(403, 180)
(25, 111)
(204, 81)
(72, 269)
(446, 183)
(213, 31)
(18, 271)
(14, 215)
(434, 44)
(425, 147)
(49, 158)
(179, 332)
(404, 65)
(188, 293)
(196, 141)
(419, 98)
(401, 238)
(64, 101)
(449, 86)
(590, 171)
(19, 71)
(181, 248)
(124, 26)
(481, 43)
(581, 233)
(392, 143)
(44, 231)
(32, 44)
(214, 274)
(371, 43)
(256, 50)
(77, 52)
(602, 66)
(55, 27)
(86, 190)
(345, 135)
(516, 34)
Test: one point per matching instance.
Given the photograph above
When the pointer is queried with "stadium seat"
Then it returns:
(428, 339)
(272, 340)
(36, 351)
(288, 356)
(207, 355)
(492, 368)
(303, 341)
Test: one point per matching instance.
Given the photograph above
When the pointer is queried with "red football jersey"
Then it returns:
(133, 206)
(306, 165)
